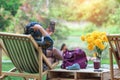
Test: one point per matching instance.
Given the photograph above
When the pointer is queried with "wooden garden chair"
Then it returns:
(114, 50)
(26, 56)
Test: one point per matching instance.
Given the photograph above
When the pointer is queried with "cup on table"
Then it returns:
(96, 64)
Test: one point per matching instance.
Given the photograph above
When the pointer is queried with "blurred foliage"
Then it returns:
(5, 18)
(27, 12)
(95, 11)
(36, 11)
(61, 32)
(113, 30)
(10, 5)
(97, 15)
(8, 9)
(90, 27)
(114, 17)
(118, 1)
(15, 14)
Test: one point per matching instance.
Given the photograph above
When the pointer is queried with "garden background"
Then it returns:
(73, 18)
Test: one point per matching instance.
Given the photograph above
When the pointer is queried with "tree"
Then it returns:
(114, 17)
(36, 11)
(8, 9)
(95, 11)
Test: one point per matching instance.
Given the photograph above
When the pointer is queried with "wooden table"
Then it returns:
(82, 74)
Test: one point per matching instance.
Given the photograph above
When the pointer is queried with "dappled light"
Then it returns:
(73, 18)
(77, 17)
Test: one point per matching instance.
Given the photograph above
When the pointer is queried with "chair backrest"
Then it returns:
(22, 50)
(114, 41)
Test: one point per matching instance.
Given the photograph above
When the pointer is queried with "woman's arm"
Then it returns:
(41, 29)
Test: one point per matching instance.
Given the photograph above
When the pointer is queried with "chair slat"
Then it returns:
(20, 51)
(25, 54)
(22, 54)
(31, 57)
(9, 50)
(35, 59)
(16, 52)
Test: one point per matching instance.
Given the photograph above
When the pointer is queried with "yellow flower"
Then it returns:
(90, 46)
(102, 47)
(95, 34)
(83, 38)
(103, 33)
(88, 35)
(104, 38)
(89, 39)
(96, 41)
(99, 44)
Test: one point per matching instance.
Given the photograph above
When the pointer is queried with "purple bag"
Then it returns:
(74, 56)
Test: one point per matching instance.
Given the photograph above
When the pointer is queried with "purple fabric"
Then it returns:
(74, 56)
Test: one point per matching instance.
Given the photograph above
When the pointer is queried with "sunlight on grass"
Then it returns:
(5, 57)
(6, 66)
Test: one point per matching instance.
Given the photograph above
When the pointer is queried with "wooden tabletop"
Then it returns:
(87, 70)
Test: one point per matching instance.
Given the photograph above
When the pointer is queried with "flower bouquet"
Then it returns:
(96, 41)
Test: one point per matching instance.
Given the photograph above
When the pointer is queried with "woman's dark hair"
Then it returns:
(28, 26)
(62, 46)
(29, 30)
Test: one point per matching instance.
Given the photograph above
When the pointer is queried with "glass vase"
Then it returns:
(97, 63)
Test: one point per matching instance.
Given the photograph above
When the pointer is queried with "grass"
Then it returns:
(103, 61)
(6, 66)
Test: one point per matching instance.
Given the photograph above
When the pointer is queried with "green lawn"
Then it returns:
(6, 66)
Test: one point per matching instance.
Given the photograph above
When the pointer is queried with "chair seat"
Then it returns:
(25, 54)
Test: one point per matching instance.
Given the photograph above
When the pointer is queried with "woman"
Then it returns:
(63, 48)
(37, 29)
